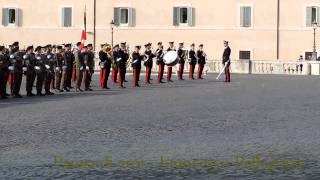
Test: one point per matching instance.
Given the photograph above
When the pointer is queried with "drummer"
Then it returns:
(169, 73)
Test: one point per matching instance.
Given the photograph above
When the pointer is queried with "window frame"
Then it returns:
(62, 13)
(128, 16)
(190, 22)
(305, 12)
(239, 16)
(17, 16)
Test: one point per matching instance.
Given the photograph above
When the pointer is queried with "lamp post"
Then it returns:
(112, 26)
(314, 53)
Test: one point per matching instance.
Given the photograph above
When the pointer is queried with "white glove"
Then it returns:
(47, 66)
(37, 67)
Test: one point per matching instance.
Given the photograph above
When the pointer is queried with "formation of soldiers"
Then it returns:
(54, 68)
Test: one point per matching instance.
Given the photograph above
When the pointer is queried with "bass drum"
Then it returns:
(171, 58)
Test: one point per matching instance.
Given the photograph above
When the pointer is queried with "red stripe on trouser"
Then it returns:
(200, 69)
(180, 71)
(147, 74)
(52, 84)
(160, 74)
(74, 73)
(120, 81)
(191, 71)
(101, 78)
(10, 79)
(135, 79)
(169, 73)
(227, 71)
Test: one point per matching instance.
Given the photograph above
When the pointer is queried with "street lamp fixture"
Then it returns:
(314, 53)
(112, 26)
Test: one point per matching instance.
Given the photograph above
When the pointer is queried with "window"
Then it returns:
(312, 15)
(124, 16)
(244, 55)
(245, 16)
(66, 17)
(308, 56)
(11, 16)
(183, 16)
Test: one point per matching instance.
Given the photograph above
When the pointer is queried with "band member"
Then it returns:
(192, 61)
(60, 70)
(226, 60)
(90, 62)
(136, 65)
(105, 56)
(85, 60)
(114, 74)
(75, 69)
(171, 48)
(160, 62)
(29, 63)
(78, 67)
(122, 57)
(49, 64)
(201, 56)
(16, 60)
(4, 71)
(148, 62)
(181, 60)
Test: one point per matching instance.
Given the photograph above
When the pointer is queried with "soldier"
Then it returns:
(78, 67)
(136, 65)
(122, 57)
(4, 64)
(16, 60)
(40, 68)
(60, 70)
(160, 62)
(91, 62)
(192, 61)
(114, 63)
(105, 56)
(85, 58)
(148, 62)
(171, 48)
(29, 63)
(68, 68)
(49, 64)
(226, 60)
(181, 60)
(201, 56)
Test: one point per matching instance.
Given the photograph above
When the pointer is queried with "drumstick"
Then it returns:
(223, 70)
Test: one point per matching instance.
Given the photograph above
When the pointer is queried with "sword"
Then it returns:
(225, 66)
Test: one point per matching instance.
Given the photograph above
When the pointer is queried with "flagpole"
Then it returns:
(94, 24)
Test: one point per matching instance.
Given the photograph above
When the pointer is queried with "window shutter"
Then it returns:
(248, 16)
(5, 16)
(318, 15)
(18, 17)
(116, 16)
(62, 17)
(176, 16)
(242, 17)
(67, 17)
(309, 16)
(191, 16)
(132, 17)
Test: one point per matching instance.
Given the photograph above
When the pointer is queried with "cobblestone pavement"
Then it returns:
(257, 127)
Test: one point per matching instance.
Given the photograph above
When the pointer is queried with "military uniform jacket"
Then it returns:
(105, 59)
(4, 62)
(148, 58)
(91, 60)
(50, 62)
(40, 62)
(159, 54)
(226, 55)
(69, 59)
(136, 60)
(122, 58)
(77, 59)
(16, 59)
(29, 61)
(201, 57)
(181, 56)
(171, 49)
(59, 62)
(192, 57)
(115, 59)
(84, 59)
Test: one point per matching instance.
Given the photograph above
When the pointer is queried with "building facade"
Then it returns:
(257, 29)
